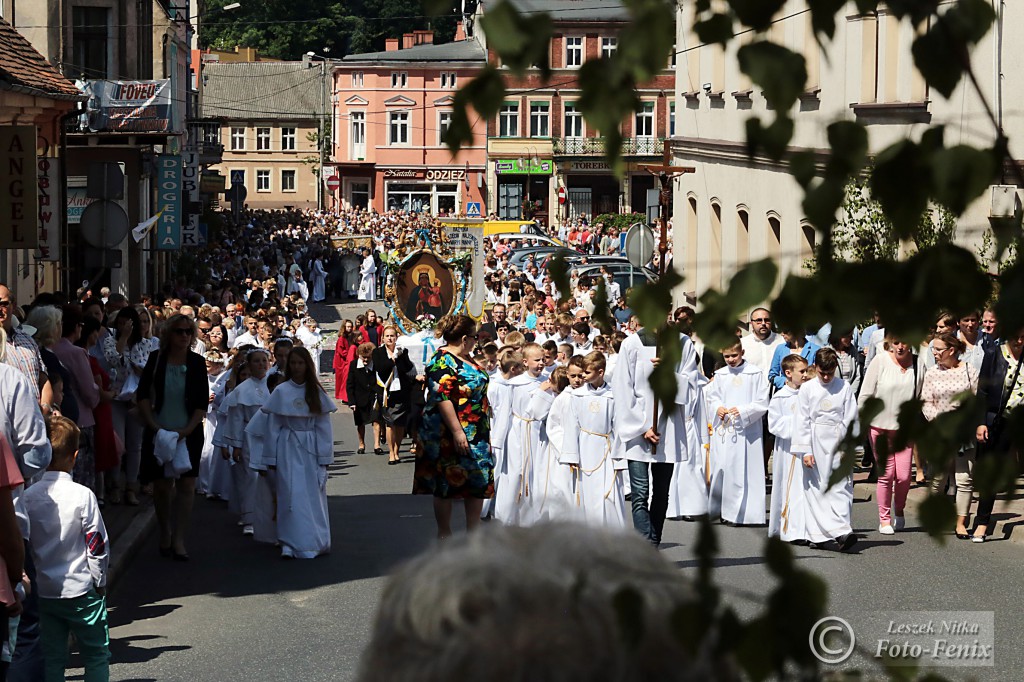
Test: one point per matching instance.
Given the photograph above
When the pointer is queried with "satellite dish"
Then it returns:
(104, 224)
(639, 246)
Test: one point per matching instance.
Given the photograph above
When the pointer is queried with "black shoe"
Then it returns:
(378, 451)
(166, 552)
(689, 519)
(845, 542)
(392, 462)
(361, 451)
(181, 557)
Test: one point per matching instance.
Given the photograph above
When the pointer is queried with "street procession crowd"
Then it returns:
(542, 410)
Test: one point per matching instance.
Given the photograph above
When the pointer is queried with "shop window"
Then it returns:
(359, 195)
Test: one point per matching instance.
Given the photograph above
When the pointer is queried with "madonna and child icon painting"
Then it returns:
(426, 287)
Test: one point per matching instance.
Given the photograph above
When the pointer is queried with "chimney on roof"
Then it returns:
(390, 44)
(408, 40)
(424, 37)
(460, 31)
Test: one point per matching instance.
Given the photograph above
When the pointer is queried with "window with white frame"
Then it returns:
(288, 180)
(672, 58)
(398, 127)
(540, 121)
(237, 139)
(449, 80)
(608, 46)
(573, 52)
(357, 79)
(672, 118)
(644, 121)
(357, 126)
(573, 121)
(444, 122)
(263, 180)
(262, 139)
(399, 79)
(288, 139)
(508, 120)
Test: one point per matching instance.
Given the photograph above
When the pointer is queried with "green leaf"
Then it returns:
(823, 16)
(484, 94)
(866, 6)
(663, 379)
(803, 166)
(961, 174)
(849, 142)
(774, 139)
(522, 42)
(757, 14)
(938, 516)
(917, 10)
(780, 72)
(822, 202)
(900, 182)
(559, 271)
(602, 316)
(779, 557)
(652, 301)
(607, 96)
(646, 41)
(942, 54)
(716, 29)
(1009, 311)
(716, 324)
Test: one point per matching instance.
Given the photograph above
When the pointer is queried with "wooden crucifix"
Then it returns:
(665, 172)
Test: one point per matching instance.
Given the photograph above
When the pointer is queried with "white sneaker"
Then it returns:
(247, 529)
(886, 530)
(901, 523)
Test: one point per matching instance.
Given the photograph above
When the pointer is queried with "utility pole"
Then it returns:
(665, 172)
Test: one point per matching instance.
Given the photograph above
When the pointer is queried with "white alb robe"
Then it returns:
(589, 443)
(300, 444)
(242, 403)
(214, 470)
(688, 492)
(264, 514)
(513, 503)
(786, 509)
(552, 480)
(737, 473)
(825, 413)
(499, 397)
(319, 277)
(367, 286)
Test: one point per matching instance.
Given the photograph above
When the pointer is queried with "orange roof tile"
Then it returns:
(21, 65)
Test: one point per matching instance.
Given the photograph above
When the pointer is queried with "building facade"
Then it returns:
(539, 142)
(733, 211)
(390, 112)
(269, 116)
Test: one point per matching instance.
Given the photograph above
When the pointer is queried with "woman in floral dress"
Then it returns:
(454, 459)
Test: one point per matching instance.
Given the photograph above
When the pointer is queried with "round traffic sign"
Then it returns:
(639, 246)
(562, 195)
(104, 224)
(333, 183)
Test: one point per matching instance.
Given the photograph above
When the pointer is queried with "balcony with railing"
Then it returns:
(205, 137)
(594, 146)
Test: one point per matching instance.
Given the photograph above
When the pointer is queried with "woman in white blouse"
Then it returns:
(892, 377)
(943, 386)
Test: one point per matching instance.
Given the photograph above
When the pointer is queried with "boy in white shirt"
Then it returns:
(499, 397)
(785, 516)
(69, 545)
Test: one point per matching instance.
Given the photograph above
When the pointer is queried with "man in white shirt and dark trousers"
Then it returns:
(70, 547)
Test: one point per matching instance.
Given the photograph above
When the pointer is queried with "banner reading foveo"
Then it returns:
(129, 106)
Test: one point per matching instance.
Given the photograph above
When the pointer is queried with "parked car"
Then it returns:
(531, 239)
(541, 254)
(625, 274)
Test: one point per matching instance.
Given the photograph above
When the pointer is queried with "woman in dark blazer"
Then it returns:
(1000, 389)
(173, 394)
(396, 374)
(363, 396)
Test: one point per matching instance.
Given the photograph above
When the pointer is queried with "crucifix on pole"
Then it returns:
(664, 172)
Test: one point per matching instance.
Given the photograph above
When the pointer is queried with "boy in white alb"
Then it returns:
(738, 398)
(70, 547)
(827, 409)
(499, 397)
(514, 504)
(241, 405)
(786, 510)
(590, 445)
(555, 493)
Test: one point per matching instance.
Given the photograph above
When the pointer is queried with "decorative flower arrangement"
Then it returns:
(425, 322)
(531, 208)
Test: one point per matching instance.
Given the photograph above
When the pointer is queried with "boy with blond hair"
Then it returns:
(70, 548)
(512, 504)
(785, 516)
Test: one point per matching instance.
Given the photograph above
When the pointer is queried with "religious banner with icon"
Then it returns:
(425, 280)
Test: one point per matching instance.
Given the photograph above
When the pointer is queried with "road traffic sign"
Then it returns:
(237, 177)
(333, 183)
(473, 209)
(562, 195)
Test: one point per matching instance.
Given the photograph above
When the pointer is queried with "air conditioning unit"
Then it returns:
(1004, 201)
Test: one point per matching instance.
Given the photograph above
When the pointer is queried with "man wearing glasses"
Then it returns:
(759, 346)
(22, 351)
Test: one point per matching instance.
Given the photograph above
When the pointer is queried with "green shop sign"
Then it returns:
(524, 167)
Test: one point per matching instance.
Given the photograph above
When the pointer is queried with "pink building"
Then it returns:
(390, 110)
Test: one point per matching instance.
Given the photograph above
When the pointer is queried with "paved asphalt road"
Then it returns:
(238, 612)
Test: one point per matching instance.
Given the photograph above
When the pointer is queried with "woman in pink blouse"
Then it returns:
(943, 386)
